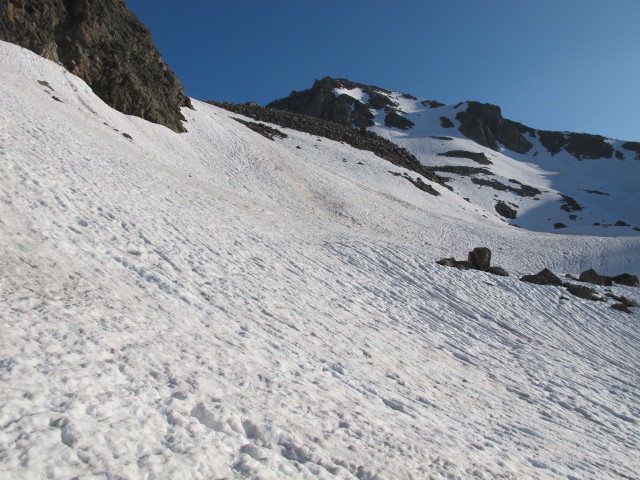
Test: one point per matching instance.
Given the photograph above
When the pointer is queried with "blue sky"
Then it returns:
(551, 64)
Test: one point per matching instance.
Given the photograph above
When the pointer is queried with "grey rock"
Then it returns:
(582, 291)
(591, 276)
(452, 262)
(544, 277)
(627, 279)
(480, 258)
(498, 271)
(622, 307)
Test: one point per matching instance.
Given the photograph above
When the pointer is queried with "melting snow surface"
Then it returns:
(217, 305)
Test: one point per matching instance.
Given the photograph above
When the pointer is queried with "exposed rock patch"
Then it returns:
(582, 291)
(394, 120)
(446, 123)
(432, 104)
(505, 210)
(320, 101)
(104, 44)
(264, 130)
(627, 279)
(543, 277)
(521, 190)
(485, 124)
(477, 157)
(634, 147)
(462, 170)
(580, 145)
(591, 276)
(569, 204)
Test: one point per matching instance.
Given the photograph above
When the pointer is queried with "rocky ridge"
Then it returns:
(480, 122)
(104, 44)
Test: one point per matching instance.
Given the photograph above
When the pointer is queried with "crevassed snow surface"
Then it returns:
(217, 305)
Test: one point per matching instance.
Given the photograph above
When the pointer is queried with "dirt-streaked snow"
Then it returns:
(218, 305)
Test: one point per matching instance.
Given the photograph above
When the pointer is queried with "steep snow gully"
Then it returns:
(218, 305)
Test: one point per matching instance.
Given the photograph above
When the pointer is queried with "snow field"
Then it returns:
(215, 304)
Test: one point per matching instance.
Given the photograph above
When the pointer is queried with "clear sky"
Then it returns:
(551, 64)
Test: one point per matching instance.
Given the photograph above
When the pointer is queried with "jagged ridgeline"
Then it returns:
(483, 123)
(102, 42)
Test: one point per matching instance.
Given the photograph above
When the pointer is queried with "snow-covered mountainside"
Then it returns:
(538, 180)
(215, 304)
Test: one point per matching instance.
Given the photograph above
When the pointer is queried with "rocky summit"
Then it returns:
(103, 43)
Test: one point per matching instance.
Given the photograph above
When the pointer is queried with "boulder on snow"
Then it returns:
(498, 271)
(624, 300)
(627, 279)
(452, 262)
(544, 277)
(591, 276)
(622, 307)
(480, 258)
(582, 291)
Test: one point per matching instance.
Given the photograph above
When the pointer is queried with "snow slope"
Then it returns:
(605, 189)
(217, 305)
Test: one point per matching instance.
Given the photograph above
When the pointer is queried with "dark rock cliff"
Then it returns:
(103, 43)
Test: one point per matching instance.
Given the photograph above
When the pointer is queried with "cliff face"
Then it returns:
(102, 42)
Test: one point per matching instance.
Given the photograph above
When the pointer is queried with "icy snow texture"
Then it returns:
(218, 305)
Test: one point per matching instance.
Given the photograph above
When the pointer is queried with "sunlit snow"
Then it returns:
(218, 305)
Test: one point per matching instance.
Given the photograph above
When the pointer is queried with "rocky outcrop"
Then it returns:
(103, 43)
(320, 101)
(477, 157)
(446, 123)
(627, 279)
(505, 210)
(580, 145)
(634, 147)
(394, 120)
(591, 276)
(582, 291)
(485, 124)
(544, 277)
